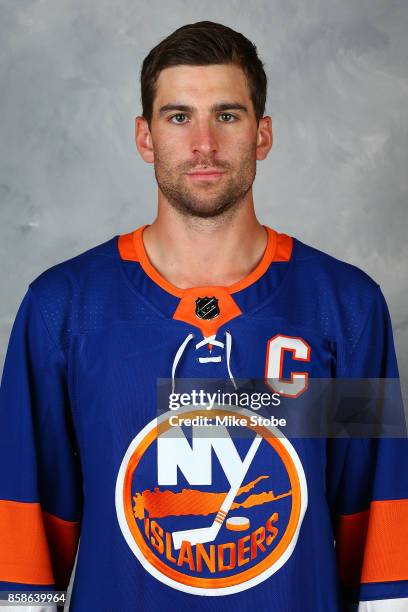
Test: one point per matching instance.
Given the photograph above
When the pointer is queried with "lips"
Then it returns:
(207, 174)
(208, 171)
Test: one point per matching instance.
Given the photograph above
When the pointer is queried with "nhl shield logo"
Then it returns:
(209, 527)
(207, 308)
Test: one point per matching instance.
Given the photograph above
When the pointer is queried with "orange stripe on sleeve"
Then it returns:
(372, 545)
(350, 542)
(386, 554)
(30, 540)
(63, 539)
(24, 555)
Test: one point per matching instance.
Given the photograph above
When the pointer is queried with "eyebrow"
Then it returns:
(221, 106)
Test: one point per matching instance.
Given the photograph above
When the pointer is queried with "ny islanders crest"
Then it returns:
(208, 510)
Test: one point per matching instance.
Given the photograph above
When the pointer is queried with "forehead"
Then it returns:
(201, 84)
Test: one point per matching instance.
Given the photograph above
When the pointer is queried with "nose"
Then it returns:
(204, 139)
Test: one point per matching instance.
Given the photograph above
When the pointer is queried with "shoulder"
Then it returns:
(71, 293)
(324, 273)
(77, 269)
(328, 295)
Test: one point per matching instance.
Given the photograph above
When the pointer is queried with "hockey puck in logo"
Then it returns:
(237, 523)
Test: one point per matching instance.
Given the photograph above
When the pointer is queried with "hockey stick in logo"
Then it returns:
(208, 534)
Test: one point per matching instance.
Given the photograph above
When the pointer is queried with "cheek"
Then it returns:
(170, 146)
(243, 150)
(238, 140)
(163, 153)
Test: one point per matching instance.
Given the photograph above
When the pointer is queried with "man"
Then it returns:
(168, 517)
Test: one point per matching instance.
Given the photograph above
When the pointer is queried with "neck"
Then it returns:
(192, 252)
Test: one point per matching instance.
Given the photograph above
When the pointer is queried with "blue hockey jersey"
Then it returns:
(168, 519)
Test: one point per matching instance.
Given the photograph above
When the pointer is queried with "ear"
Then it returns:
(264, 139)
(143, 139)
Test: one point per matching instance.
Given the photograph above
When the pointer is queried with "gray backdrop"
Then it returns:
(337, 177)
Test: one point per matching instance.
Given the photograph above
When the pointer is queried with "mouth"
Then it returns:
(205, 175)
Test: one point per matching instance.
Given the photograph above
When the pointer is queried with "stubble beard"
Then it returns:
(205, 200)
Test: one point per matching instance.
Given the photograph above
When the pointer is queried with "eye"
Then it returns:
(178, 117)
(228, 115)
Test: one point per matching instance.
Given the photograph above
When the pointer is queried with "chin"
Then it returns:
(206, 212)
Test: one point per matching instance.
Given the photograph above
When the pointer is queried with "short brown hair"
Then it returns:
(201, 44)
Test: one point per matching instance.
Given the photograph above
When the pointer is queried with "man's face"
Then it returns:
(203, 120)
